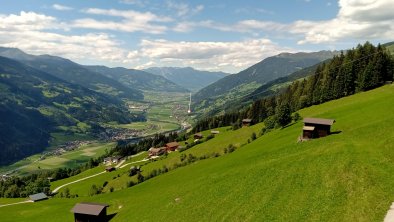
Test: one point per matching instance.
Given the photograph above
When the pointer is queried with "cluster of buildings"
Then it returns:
(169, 147)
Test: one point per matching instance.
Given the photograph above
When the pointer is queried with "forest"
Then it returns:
(360, 69)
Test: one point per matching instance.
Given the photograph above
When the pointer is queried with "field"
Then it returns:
(165, 112)
(119, 178)
(69, 159)
(347, 176)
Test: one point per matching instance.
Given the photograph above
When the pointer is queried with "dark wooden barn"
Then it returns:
(316, 127)
(90, 212)
(198, 136)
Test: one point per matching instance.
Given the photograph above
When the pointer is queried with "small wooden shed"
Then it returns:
(246, 122)
(316, 127)
(156, 151)
(89, 212)
(38, 197)
(172, 146)
(198, 136)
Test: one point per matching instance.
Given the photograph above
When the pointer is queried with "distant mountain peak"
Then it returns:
(187, 77)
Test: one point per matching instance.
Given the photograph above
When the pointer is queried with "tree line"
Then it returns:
(360, 69)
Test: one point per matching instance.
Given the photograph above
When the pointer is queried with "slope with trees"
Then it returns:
(232, 87)
(363, 68)
(73, 73)
(137, 79)
(34, 104)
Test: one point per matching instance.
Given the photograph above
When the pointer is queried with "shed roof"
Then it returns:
(89, 208)
(198, 134)
(38, 196)
(173, 144)
(308, 128)
(156, 149)
(247, 120)
(319, 121)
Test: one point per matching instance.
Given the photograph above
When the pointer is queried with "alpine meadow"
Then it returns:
(180, 110)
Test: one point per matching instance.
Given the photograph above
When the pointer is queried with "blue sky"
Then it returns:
(210, 35)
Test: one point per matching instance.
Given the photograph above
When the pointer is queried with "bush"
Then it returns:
(270, 122)
(253, 137)
(296, 117)
(105, 183)
(130, 184)
(111, 189)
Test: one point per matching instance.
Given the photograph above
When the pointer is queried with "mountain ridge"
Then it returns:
(187, 77)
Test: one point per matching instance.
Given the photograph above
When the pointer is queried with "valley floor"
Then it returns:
(347, 176)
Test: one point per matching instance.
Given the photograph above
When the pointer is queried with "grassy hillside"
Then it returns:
(347, 176)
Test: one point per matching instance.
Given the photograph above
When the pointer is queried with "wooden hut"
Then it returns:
(156, 151)
(198, 136)
(246, 122)
(316, 127)
(86, 212)
(172, 146)
(38, 197)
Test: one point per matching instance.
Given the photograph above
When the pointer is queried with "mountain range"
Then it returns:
(213, 98)
(188, 77)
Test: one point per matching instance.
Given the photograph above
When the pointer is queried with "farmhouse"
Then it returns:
(316, 127)
(86, 212)
(156, 151)
(246, 122)
(114, 159)
(38, 197)
(215, 132)
(172, 146)
(198, 136)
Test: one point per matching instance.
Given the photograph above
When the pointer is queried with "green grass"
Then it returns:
(69, 159)
(344, 177)
(218, 144)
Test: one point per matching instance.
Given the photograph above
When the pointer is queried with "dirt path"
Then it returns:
(76, 181)
(390, 214)
(88, 177)
(22, 202)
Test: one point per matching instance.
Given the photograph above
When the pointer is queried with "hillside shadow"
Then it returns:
(110, 217)
(288, 125)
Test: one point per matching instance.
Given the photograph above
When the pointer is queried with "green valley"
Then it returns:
(346, 176)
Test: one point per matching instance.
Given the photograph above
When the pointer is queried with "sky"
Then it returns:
(210, 35)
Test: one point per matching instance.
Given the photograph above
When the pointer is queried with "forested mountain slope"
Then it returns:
(73, 73)
(34, 104)
(229, 88)
(137, 79)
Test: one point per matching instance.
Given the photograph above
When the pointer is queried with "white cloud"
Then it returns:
(357, 19)
(133, 2)
(27, 21)
(61, 7)
(133, 21)
(229, 56)
(184, 9)
(29, 31)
